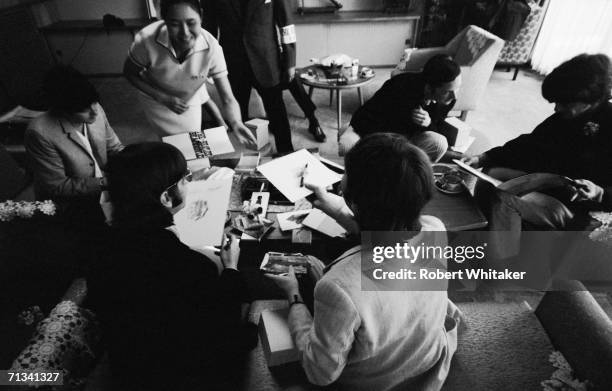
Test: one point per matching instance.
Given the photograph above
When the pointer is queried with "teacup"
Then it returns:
(450, 182)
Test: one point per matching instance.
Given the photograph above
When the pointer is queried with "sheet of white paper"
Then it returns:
(287, 221)
(321, 222)
(218, 140)
(465, 145)
(183, 143)
(285, 173)
(199, 232)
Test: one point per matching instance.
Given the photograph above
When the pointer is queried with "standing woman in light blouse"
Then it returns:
(170, 61)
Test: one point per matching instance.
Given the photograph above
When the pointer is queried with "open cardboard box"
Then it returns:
(276, 341)
(259, 127)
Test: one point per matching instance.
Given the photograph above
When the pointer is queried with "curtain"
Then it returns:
(572, 27)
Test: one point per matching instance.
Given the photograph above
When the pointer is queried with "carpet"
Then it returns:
(503, 348)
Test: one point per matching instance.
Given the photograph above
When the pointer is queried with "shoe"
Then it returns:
(316, 131)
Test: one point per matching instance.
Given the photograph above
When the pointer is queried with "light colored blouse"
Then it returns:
(153, 51)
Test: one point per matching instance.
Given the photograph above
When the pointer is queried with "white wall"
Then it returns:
(98, 52)
(347, 5)
(96, 9)
(11, 3)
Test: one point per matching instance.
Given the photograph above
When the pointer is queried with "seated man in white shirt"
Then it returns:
(376, 339)
(69, 145)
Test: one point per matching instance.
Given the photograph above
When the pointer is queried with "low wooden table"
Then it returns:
(319, 80)
(458, 212)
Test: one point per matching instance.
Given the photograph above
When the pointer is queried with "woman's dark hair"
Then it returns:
(137, 176)
(585, 78)
(440, 69)
(165, 6)
(67, 91)
(389, 180)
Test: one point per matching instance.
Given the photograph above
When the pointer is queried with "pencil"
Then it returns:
(303, 175)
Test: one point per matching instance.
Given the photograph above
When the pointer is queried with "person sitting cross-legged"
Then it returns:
(411, 104)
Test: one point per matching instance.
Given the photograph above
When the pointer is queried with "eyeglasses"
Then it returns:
(188, 177)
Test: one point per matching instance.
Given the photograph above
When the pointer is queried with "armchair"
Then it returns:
(474, 49)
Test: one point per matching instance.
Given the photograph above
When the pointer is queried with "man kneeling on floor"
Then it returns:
(412, 104)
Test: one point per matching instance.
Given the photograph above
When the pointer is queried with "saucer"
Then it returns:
(460, 190)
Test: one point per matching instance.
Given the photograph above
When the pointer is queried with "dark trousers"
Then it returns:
(272, 97)
(296, 88)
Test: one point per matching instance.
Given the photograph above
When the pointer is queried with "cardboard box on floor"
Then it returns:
(276, 341)
(259, 127)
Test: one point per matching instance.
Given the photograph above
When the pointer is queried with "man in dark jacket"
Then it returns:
(247, 31)
(412, 104)
(575, 141)
(164, 308)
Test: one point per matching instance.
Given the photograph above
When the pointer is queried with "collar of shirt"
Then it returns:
(82, 134)
(348, 253)
(163, 38)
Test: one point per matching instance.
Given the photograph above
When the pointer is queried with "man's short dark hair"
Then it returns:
(585, 78)
(165, 6)
(440, 69)
(389, 180)
(137, 176)
(67, 91)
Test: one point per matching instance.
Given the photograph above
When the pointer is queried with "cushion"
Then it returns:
(67, 341)
(471, 47)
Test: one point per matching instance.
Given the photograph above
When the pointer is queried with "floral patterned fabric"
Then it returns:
(67, 340)
(518, 51)
(25, 209)
(476, 42)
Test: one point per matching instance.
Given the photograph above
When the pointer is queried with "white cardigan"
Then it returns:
(375, 340)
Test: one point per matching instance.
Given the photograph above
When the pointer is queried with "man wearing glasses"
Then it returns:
(155, 297)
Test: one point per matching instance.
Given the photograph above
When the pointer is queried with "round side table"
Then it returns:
(320, 80)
